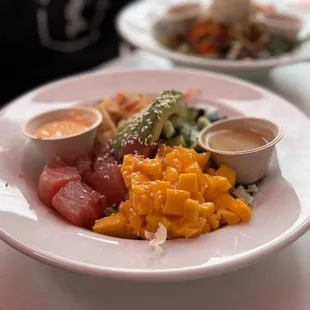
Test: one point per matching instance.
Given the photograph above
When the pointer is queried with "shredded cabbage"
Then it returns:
(157, 239)
(241, 192)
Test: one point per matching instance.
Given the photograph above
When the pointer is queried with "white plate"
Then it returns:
(281, 211)
(135, 24)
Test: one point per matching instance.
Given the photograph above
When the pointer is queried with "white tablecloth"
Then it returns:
(279, 282)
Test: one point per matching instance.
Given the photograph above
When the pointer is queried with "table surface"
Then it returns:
(279, 282)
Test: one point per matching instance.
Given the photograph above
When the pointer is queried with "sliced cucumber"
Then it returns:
(176, 141)
(202, 122)
(168, 130)
(192, 114)
(213, 117)
(176, 121)
(193, 137)
(186, 131)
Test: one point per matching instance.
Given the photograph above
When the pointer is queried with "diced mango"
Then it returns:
(191, 210)
(142, 208)
(242, 210)
(160, 188)
(139, 190)
(206, 229)
(187, 158)
(171, 175)
(153, 168)
(125, 208)
(206, 209)
(163, 150)
(194, 168)
(221, 183)
(152, 222)
(194, 229)
(114, 225)
(213, 196)
(228, 173)
(166, 222)
(175, 200)
(135, 221)
(172, 189)
(230, 217)
(197, 196)
(172, 160)
(188, 182)
(210, 185)
(203, 159)
(223, 201)
(211, 171)
(214, 223)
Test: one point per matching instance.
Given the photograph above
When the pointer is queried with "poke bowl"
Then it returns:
(148, 201)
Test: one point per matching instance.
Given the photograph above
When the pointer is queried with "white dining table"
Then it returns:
(281, 281)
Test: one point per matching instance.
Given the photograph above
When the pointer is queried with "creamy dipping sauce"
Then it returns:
(236, 140)
(75, 122)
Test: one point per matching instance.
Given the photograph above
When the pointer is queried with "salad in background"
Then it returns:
(207, 35)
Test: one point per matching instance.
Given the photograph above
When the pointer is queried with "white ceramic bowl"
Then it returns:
(281, 209)
(136, 24)
(66, 147)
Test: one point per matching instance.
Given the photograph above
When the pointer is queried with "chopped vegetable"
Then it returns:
(172, 190)
(168, 130)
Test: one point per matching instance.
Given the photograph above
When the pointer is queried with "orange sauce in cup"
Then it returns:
(74, 123)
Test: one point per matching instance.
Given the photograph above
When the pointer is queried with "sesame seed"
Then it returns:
(100, 159)
(84, 190)
(82, 197)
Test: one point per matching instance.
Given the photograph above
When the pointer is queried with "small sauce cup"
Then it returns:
(249, 164)
(67, 147)
(285, 25)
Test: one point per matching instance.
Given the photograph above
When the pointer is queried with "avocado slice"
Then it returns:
(146, 126)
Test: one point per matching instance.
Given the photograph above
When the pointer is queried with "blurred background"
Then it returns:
(43, 40)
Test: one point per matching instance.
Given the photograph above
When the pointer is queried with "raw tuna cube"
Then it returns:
(84, 165)
(103, 163)
(54, 176)
(79, 204)
(103, 149)
(109, 181)
(148, 151)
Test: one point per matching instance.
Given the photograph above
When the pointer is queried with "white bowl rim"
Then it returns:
(176, 274)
